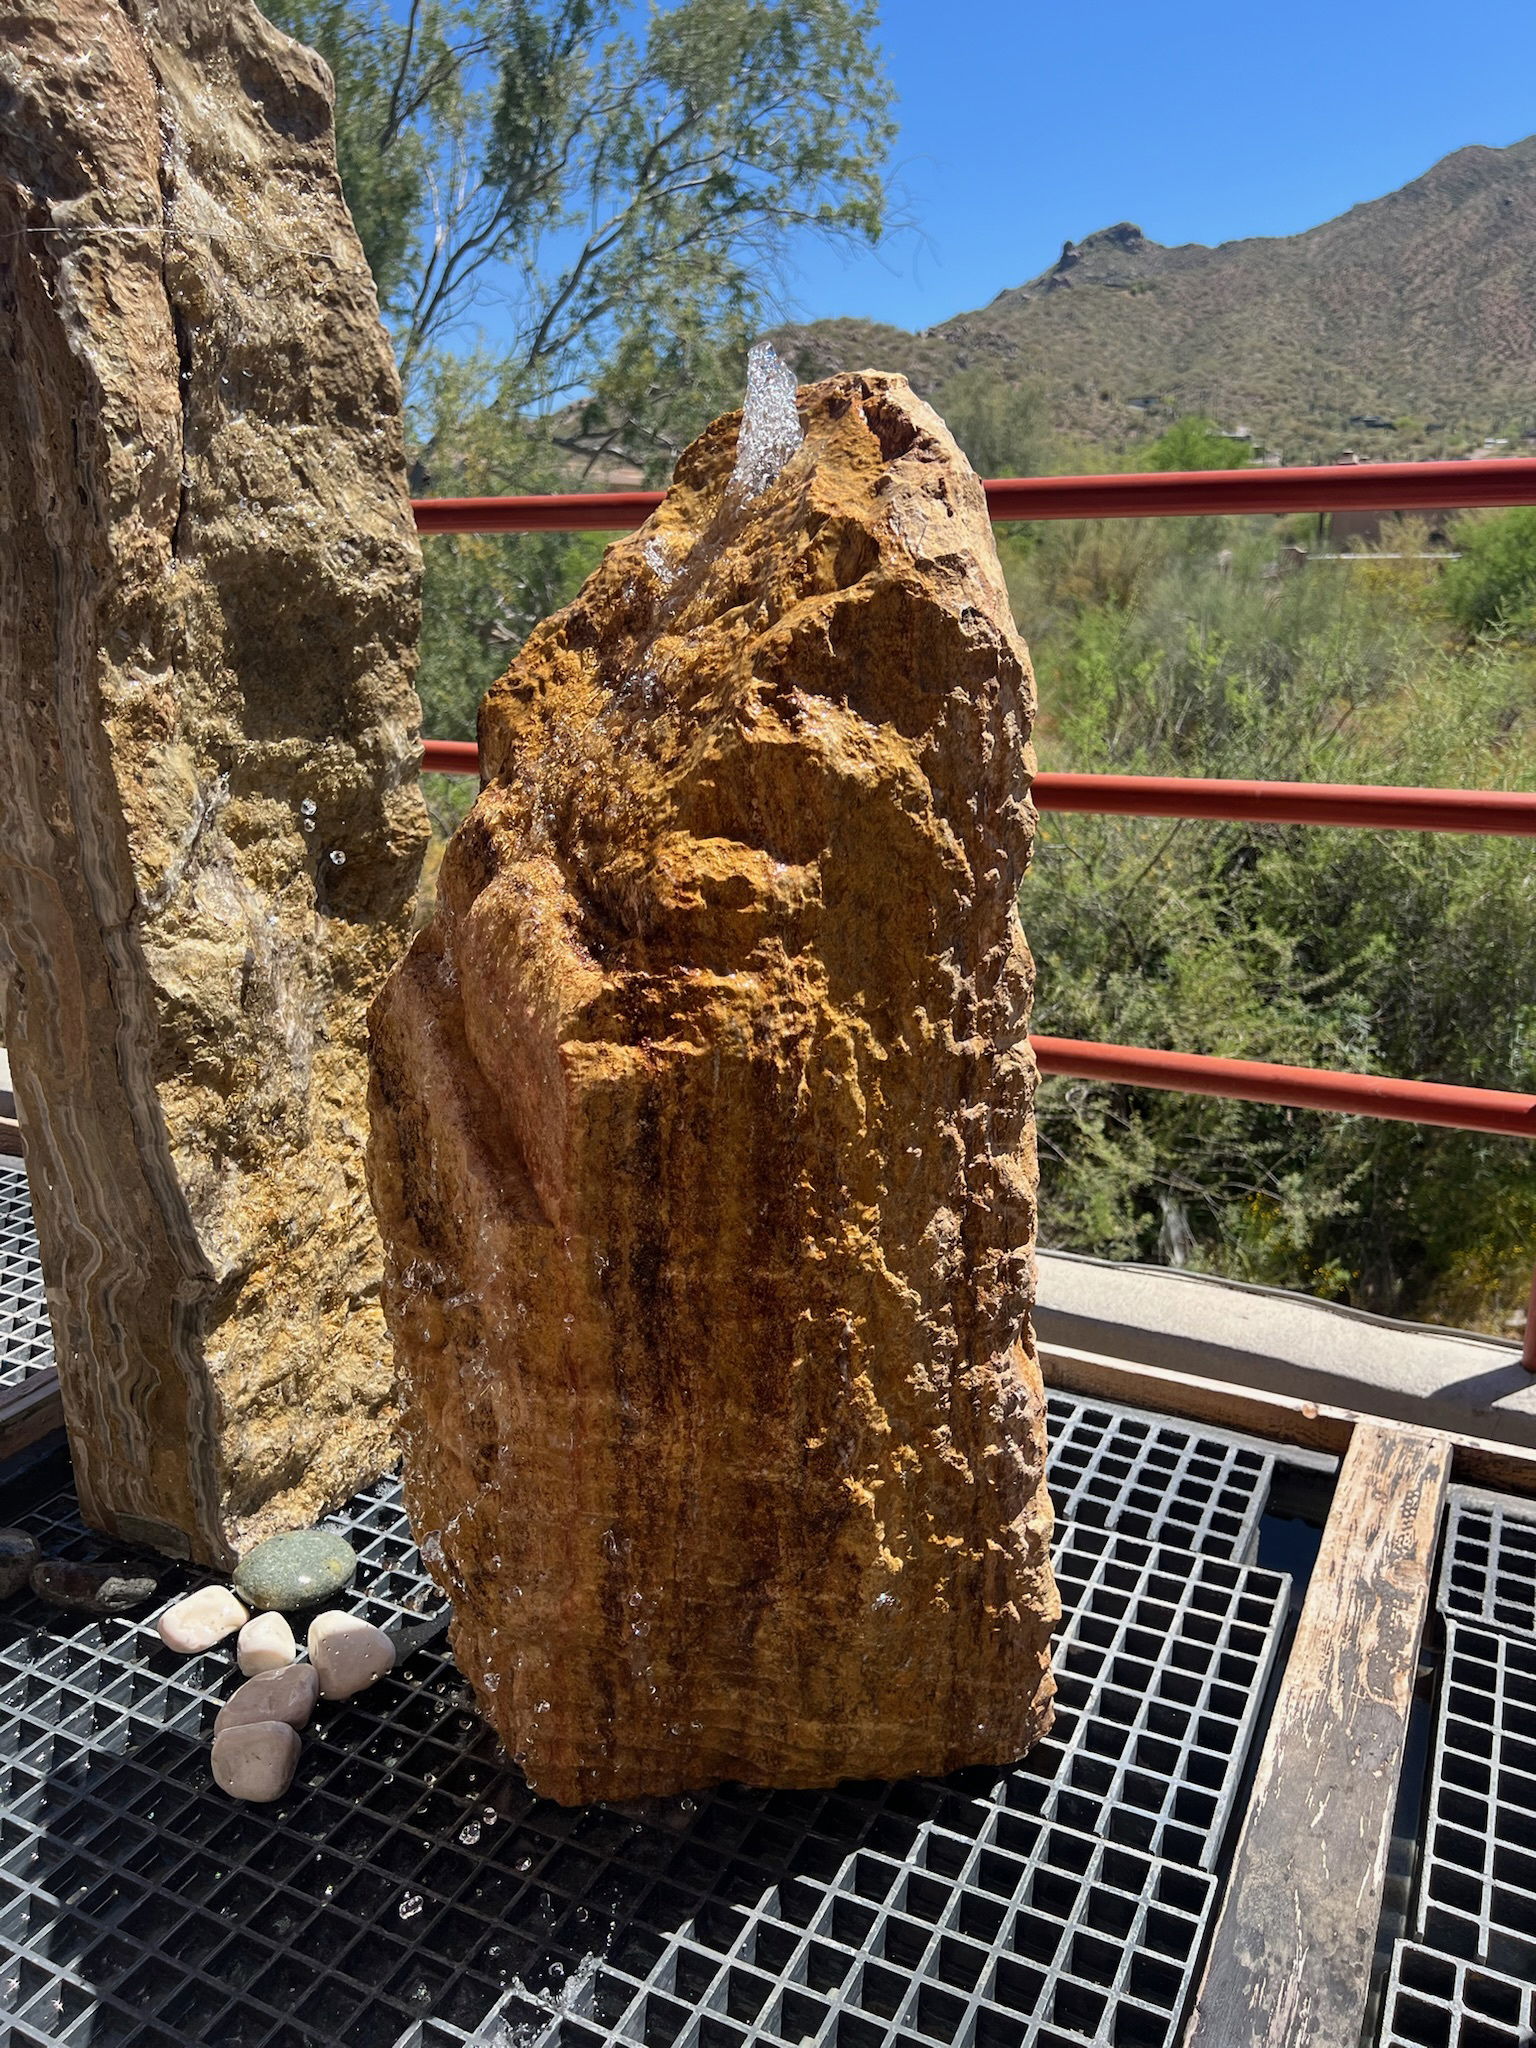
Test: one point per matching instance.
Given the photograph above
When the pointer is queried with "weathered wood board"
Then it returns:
(1291, 1954)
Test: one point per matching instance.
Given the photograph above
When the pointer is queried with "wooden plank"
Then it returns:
(29, 1411)
(1291, 1954)
(10, 1137)
(1283, 1418)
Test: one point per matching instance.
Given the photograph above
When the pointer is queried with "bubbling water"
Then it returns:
(770, 426)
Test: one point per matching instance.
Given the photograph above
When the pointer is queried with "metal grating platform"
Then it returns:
(1477, 1885)
(1161, 1670)
(1488, 1563)
(1142, 1475)
(1436, 2002)
(409, 1890)
(26, 1336)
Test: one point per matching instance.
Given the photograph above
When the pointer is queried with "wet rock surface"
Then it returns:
(18, 1554)
(295, 1570)
(256, 1760)
(93, 1588)
(703, 1144)
(288, 1695)
(204, 1618)
(348, 1654)
(208, 742)
(265, 1644)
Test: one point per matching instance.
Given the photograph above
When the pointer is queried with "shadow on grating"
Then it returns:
(26, 1336)
(1488, 1563)
(1434, 2001)
(1142, 1475)
(409, 1890)
(1477, 1882)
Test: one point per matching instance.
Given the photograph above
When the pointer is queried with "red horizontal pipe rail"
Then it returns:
(450, 757)
(1503, 811)
(1414, 1102)
(1331, 487)
(1510, 812)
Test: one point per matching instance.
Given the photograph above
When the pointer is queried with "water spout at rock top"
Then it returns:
(770, 426)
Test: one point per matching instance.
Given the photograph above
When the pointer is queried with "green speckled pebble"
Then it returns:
(295, 1570)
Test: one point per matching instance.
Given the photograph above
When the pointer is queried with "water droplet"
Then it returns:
(489, 1813)
(524, 1863)
(308, 807)
(410, 1905)
(336, 857)
(469, 1834)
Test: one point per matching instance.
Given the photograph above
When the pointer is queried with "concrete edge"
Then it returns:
(1287, 1345)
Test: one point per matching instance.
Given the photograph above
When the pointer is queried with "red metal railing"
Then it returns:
(1193, 1073)
(1484, 811)
(1386, 486)
(1361, 486)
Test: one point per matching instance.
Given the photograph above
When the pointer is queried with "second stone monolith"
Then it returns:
(210, 826)
(703, 1150)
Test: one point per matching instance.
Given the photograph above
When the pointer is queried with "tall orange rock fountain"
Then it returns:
(702, 1141)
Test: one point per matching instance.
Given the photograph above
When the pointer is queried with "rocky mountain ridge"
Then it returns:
(1405, 327)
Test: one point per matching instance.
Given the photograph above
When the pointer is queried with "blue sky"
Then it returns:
(1024, 124)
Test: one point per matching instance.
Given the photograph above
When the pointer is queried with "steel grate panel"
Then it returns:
(1435, 2001)
(1161, 1668)
(410, 1890)
(26, 1335)
(1142, 1475)
(1477, 1885)
(1488, 1563)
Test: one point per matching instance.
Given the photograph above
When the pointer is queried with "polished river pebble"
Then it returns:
(295, 1570)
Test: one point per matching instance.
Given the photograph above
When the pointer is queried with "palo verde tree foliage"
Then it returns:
(578, 214)
(612, 201)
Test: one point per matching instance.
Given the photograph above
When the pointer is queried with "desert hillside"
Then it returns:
(1406, 327)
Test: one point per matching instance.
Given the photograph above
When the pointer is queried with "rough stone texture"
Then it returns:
(93, 1588)
(210, 829)
(703, 1147)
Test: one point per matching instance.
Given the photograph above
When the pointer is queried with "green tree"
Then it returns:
(590, 185)
(1493, 586)
(1194, 443)
(618, 207)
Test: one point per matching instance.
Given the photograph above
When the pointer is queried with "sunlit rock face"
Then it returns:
(702, 1144)
(210, 829)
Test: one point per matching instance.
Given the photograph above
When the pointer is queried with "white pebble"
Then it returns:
(201, 1620)
(287, 1695)
(256, 1760)
(348, 1654)
(266, 1644)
